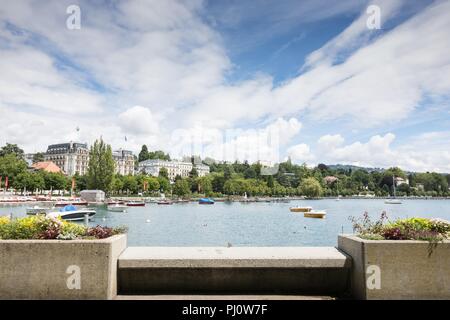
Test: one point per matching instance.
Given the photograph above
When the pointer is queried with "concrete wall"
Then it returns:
(406, 270)
(235, 270)
(41, 269)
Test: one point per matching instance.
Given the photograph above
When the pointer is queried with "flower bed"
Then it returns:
(46, 228)
(432, 230)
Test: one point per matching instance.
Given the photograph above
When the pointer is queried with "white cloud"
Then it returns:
(139, 120)
(263, 144)
(300, 153)
(163, 59)
(425, 152)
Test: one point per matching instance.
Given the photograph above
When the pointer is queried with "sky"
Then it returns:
(308, 80)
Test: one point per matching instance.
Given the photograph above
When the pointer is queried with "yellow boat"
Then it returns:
(300, 209)
(315, 214)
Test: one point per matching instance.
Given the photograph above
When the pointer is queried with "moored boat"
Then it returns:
(393, 201)
(300, 209)
(165, 202)
(37, 210)
(61, 204)
(135, 204)
(205, 201)
(117, 207)
(315, 214)
(71, 213)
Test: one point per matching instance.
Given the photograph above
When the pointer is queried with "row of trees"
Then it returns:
(225, 178)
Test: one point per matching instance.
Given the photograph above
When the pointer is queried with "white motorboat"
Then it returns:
(37, 210)
(71, 213)
(117, 207)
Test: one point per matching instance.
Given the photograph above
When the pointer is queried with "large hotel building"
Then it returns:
(73, 158)
(174, 168)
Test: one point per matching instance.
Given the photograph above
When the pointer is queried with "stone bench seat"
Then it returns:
(234, 270)
(243, 257)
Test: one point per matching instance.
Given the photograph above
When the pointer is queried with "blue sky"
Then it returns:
(256, 80)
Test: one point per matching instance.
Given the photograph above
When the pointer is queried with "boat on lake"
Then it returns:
(37, 210)
(205, 201)
(61, 204)
(117, 207)
(393, 200)
(300, 209)
(71, 213)
(164, 202)
(315, 214)
(136, 204)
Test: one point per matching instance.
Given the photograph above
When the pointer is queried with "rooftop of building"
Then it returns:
(47, 166)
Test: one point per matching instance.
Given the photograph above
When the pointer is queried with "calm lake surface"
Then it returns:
(251, 224)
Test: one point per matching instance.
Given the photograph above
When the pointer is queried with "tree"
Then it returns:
(38, 157)
(11, 165)
(164, 184)
(159, 154)
(143, 155)
(250, 173)
(130, 184)
(193, 173)
(58, 181)
(311, 188)
(181, 188)
(11, 149)
(163, 173)
(80, 182)
(153, 184)
(101, 166)
(204, 185)
(29, 181)
(228, 172)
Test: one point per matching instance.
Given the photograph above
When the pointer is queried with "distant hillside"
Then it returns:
(353, 168)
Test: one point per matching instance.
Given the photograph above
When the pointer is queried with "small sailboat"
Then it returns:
(393, 200)
(315, 214)
(300, 209)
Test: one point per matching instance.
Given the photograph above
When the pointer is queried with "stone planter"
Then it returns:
(60, 269)
(389, 269)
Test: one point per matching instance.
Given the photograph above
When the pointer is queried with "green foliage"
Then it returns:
(101, 167)
(38, 157)
(11, 149)
(181, 188)
(144, 154)
(311, 188)
(11, 165)
(163, 173)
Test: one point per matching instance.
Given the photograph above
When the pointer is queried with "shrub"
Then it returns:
(100, 232)
(41, 227)
(365, 226)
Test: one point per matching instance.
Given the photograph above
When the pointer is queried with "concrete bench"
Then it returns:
(236, 270)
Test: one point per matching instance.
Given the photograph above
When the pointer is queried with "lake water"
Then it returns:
(251, 224)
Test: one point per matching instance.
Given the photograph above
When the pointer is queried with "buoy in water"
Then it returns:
(147, 221)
